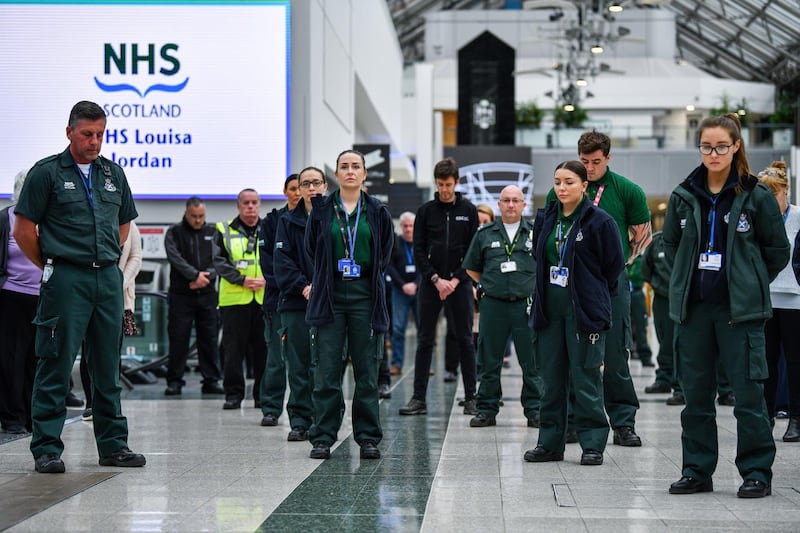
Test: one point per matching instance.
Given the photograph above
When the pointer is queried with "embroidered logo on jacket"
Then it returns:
(743, 225)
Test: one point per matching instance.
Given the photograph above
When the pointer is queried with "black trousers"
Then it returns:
(243, 330)
(200, 309)
(458, 309)
(780, 331)
(17, 357)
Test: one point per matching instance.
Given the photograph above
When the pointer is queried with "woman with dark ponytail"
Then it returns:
(722, 236)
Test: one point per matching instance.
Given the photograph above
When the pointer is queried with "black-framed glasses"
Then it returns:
(722, 149)
(307, 184)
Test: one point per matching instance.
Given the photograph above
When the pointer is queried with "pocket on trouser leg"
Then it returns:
(756, 356)
(46, 342)
(377, 345)
(594, 348)
(282, 336)
(313, 344)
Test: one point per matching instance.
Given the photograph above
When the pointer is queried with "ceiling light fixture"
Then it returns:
(597, 49)
(580, 82)
(569, 108)
(615, 7)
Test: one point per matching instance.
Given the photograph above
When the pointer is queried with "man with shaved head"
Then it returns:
(500, 260)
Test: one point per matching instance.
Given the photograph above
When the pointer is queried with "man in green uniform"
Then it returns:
(83, 207)
(627, 204)
(500, 259)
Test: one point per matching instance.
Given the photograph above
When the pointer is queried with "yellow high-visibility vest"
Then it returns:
(247, 263)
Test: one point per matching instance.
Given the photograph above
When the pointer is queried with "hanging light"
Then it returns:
(580, 82)
(597, 49)
(690, 107)
(569, 108)
(615, 7)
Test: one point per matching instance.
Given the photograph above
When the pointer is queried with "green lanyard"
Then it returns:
(514, 244)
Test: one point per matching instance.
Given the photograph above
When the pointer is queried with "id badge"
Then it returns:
(710, 261)
(559, 276)
(242, 265)
(411, 269)
(47, 271)
(508, 266)
(344, 263)
(351, 271)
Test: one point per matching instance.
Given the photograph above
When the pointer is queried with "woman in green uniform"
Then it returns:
(349, 238)
(723, 236)
(578, 263)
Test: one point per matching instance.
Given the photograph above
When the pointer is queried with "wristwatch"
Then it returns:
(435, 279)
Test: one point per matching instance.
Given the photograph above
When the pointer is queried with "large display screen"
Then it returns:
(196, 92)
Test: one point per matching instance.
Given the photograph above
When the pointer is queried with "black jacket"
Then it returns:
(397, 266)
(189, 252)
(269, 226)
(595, 262)
(656, 270)
(293, 267)
(318, 247)
(442, 233)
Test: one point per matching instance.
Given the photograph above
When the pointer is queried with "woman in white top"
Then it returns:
(781, 330)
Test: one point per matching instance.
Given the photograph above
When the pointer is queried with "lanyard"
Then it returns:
(561, 242)
(349, 238)
(514, 244)
(713, 217)
(409, 253)
(786, 214)
(599, 195)
(87, 183)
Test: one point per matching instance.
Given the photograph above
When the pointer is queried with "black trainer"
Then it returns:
(482, 420)
(690, 485)
(50, 463)
(321, 450)
(297, 434)
(542, 455)
(369, 450)
(414, 407)
(123, 457)
(626, 436)
(269, 420)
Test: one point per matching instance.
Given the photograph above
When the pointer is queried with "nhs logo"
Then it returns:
(135, 59)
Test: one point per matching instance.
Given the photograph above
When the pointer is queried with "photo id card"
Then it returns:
(559, 276)
(508, 266)
(411, 269)
(710, 261)
(242, 265)
(344, 263)
(351, 271)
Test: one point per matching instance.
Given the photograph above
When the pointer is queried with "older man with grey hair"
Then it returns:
(403, 271)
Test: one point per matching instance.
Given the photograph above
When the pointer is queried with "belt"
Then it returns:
(509, 300)
(93, 264)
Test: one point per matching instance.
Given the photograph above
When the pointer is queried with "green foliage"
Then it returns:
(570, 119)
(726, 107)
(785, 107)
(529, 114)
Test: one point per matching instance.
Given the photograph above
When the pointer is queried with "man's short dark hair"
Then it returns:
(446, 168)
(194, 201)
(591, 141)
(85, 110)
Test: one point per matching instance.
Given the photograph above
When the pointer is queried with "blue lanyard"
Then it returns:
(87, 183)
(409, 252)
(561, 243)
(786, 214)
(713, 223)
(351, 235)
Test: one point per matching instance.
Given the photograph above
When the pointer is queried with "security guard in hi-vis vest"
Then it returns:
(241, 295)
(499, 258)
(83, 208)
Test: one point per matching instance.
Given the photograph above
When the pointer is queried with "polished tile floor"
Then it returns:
(214, 470)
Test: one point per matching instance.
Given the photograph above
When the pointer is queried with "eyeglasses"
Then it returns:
(722, 149)
(511, 201)
(771, 172)
(307, 184)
